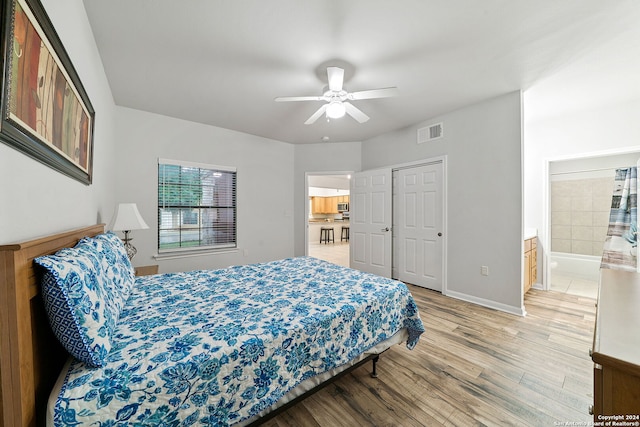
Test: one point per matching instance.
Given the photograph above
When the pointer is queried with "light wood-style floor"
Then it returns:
(473, 366)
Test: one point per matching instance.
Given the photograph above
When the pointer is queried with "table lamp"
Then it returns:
(126, 218)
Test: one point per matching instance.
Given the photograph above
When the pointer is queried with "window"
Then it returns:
(196, 206)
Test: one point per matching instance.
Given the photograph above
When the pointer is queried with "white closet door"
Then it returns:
(370, 222)
(418, 225)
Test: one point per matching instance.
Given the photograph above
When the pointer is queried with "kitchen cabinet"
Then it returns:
(327, 205)
(333, 205)
(323, 205)
(317, 205)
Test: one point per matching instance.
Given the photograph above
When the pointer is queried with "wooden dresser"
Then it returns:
(616, 346)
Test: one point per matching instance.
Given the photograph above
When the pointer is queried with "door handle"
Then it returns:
(439, 234)
(385, 229)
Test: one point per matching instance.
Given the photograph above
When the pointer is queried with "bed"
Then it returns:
(216, 347)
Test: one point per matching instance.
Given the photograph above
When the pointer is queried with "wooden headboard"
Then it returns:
(30, 356)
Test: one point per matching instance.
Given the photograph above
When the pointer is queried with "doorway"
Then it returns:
(328, 231)
(580, 191)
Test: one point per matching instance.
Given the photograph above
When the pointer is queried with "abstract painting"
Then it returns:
(46, 112)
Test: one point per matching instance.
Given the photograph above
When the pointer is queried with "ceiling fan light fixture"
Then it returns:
(337, 99)
(336, 109)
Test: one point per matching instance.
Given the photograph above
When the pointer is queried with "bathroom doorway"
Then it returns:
(580, 192)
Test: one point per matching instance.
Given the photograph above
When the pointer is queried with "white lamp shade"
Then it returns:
(126, 217)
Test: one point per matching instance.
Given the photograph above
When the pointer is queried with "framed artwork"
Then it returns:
(45, 110)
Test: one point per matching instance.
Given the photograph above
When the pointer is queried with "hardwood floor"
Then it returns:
(473, 366)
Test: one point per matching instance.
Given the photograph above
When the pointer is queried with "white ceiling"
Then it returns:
(222, 62)
(339, 182)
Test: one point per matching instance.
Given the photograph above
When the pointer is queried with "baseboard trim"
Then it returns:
(518, 311)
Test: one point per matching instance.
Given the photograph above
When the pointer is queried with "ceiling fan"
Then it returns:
(337, 99)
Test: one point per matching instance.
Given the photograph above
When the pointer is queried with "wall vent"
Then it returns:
(430, 133)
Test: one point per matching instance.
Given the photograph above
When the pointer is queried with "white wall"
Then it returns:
(484, 178)
(327, 192)
(36, 200)
(264, 186)
(593, 132)
(323, 157)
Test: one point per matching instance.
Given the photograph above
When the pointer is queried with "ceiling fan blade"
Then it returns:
(386, 92)
(299, 98)
(335, 77)
(355, 112)
(316, 115)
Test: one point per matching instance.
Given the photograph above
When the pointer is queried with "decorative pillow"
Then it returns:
(116, 272)
(75, 303)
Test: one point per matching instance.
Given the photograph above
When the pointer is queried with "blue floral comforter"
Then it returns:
(216, 347)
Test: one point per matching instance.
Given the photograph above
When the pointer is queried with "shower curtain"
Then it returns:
(621, 243)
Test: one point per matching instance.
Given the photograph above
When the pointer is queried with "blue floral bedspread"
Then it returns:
(216, 347)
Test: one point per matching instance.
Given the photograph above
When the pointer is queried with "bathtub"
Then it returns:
(574, 265)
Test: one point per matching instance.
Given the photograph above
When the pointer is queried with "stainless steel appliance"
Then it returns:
(343, 207)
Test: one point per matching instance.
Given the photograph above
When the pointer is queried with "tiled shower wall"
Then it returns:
(580, 213)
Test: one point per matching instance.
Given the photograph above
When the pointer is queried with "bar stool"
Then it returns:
(344, 233)
(326, 233)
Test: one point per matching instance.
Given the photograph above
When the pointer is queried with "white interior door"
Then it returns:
(418, 225)
(370, 222)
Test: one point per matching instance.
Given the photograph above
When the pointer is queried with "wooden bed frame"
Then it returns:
(30, 356)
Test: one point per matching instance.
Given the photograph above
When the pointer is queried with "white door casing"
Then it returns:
(370, 222)
(418, 225)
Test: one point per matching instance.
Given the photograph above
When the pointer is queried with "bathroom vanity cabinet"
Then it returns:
(530, 262)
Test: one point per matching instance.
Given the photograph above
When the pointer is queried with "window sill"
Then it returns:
(190, 254)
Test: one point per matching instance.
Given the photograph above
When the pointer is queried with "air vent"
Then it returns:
(430, 133)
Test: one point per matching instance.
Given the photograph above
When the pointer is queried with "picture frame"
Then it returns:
(45, 111)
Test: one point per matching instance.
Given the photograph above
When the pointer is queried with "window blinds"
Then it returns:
(196, 206)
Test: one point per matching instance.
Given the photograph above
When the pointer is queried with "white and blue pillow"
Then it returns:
(84, 290)
(117, 273)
